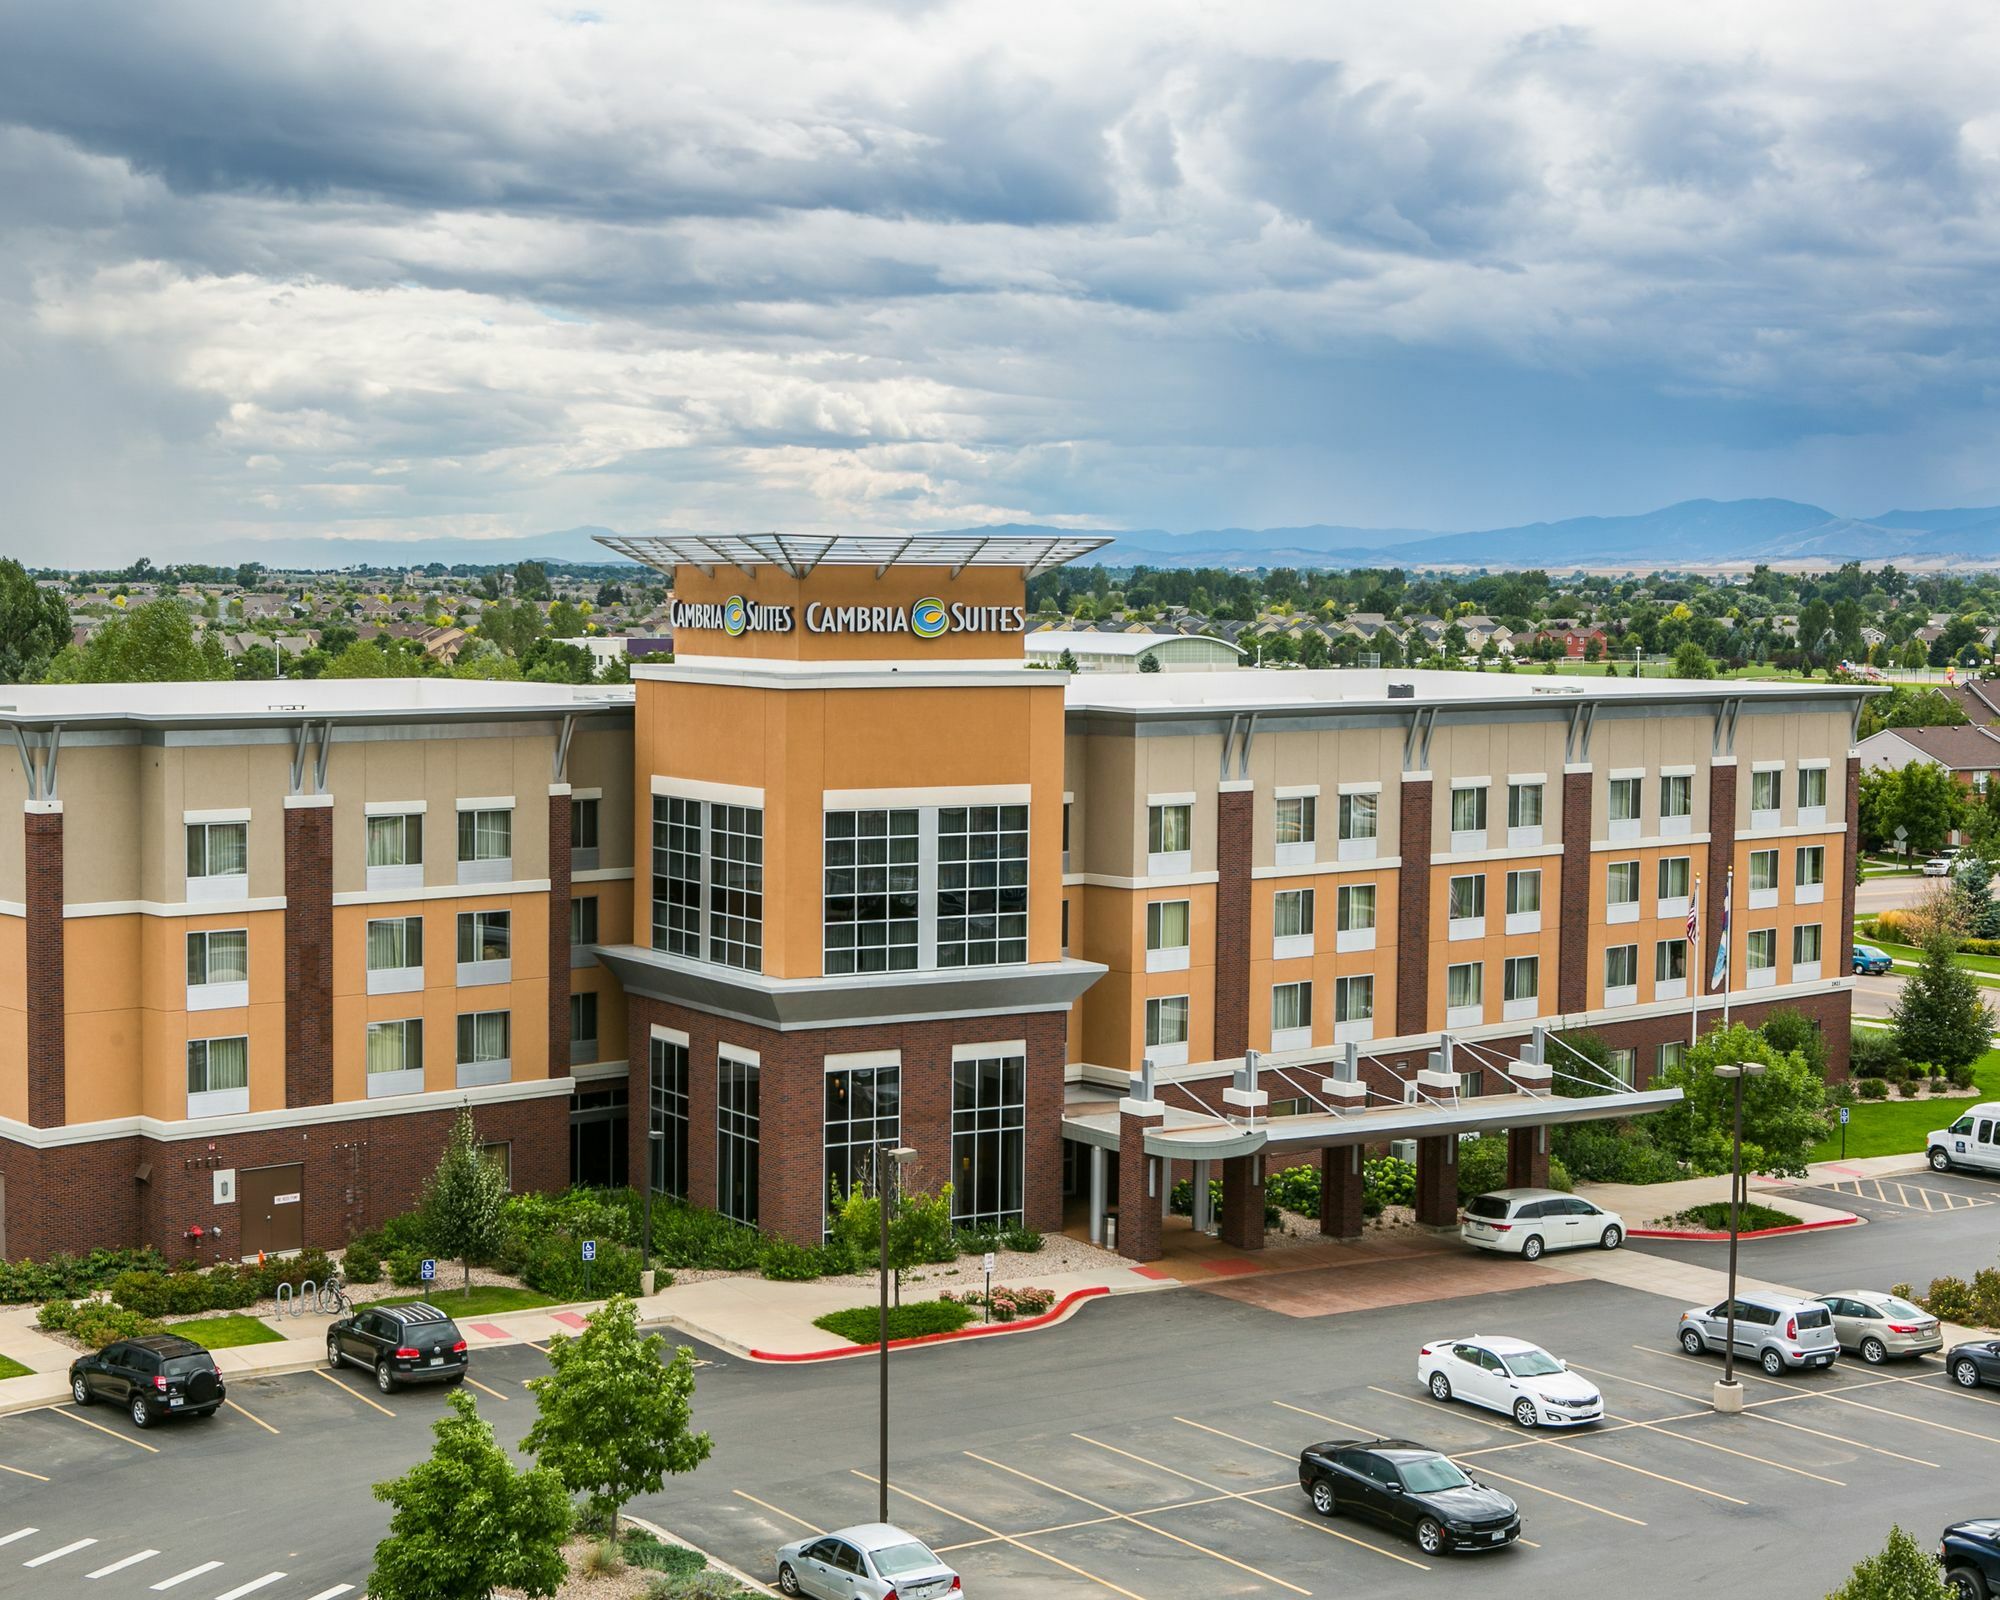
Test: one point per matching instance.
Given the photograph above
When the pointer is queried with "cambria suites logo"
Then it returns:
(928, 618)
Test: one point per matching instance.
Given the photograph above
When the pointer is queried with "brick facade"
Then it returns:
(1233, 816)
(559, 896)
(308, 955)
(1527, 1158)
(47, 1033)
(1437, 1181)
(792, 1105)
(1413, 909)
(1843, 936)
(1573, 952)
(1340, 1191)
(1139, 1204)
(1242, 1221)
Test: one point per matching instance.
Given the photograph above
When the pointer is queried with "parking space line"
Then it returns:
(182, 1577)
(348, 1388)
(1096, 1522)
(1248, 1498)
(22, 1472)
(109, 1433)
(1881, 1411)
(252, 1586)
(1556, 1494)
(959, 1516)
(497, 1395)
(1098, 1505)
(18, 1533)
(1758, 1416)
(335, 1592)
(121, 1565)
(233, 1406)
(776, 1511)
(1031, 1533)
(1956, 1392)
(57, 1555)
(1710, 1444)
(1564, 1444)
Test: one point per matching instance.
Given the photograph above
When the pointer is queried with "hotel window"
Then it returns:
(501, 1154)
(396, 851)
(1353, 907)
(1292, 912)
(1464, 993)
(1675, 879)
(1621, 974)
(583, 1026)
(1670, 961)
(1068, 807)
(1809, 872)
(667, 1065)
(218, 1076)
(1524, 806)
(1763, 879)
(709, 903)
(1166, 935)
(1167, 1029)
(1298, 825)
(1676, 802)
(1468, 818)
(1291, 1016)
(1354, 999)
(395, 954)
(218, 969)
(583, 833)
(863, 1113)
(218, 860)
(583, 920)
(1521, 983)
(1621, 891)
(485, 1047)
(1812, 789)
(1169, 838)
(485, 946)
(989, 1117)
(982, 893)
(737, 1093)
(1760, 956)
(1807, 943)
(873, 897)
(1465, 906)
(1524, 900)
(1065, 925)
(1359, 825)
(1622, 808)
(1624, 1064)
(485, 846)
(1764, 798)
(395, 1057)
(1670, 1055)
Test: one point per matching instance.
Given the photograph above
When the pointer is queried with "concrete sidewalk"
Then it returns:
(1643, 1204)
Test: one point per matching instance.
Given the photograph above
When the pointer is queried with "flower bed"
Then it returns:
(1006, 1304)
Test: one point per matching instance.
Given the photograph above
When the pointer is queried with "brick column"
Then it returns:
(308, 950)
(1233, 812)
(1573, 945)
(1242, 1222)
(1437, 1181)
(559, 887)
(47, 1036)
(1340, 1191)
(1843, 936)
(1527, 1158)
(1721, 852)
(1413, 909)
(1139, 1203)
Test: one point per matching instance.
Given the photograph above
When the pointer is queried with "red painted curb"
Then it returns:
(1759, 1233)
(1055, 1313)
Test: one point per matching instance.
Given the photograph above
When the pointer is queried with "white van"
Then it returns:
(1972, 1142)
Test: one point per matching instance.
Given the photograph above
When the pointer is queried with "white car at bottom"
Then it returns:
(1512, 1376)
(871, 1561)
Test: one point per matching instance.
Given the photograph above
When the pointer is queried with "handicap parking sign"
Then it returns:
(428, 1270)
(590, 1249)
(1843, 1116)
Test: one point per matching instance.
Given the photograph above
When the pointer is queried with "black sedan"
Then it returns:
(1974, 1363)
(155, 1377)
(1408, 1489)
(1969, 1553)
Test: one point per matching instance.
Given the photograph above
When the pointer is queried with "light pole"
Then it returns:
(889, 1160)
(653, 1138)
(1729, 1393)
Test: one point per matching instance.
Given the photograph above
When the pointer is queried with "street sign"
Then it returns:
(989, 1261)
(427, 1269)
(1843, 1116)
(590, 1249)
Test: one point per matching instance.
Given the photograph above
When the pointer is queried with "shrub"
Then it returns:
(1910, 1088)
(405, 1268)
(361, 1265)
(70, 1277)
(1020, 1238)
(1962, 1076)
(55, 1316)
(1986, 1297)
(1295, 1189)
(1949, 1299)
(786, 1262)
(691, 1236)
(911, 1320)
(975, 1241)
(97, 1323)
(920, 1227)
(643, 1550)
(143, 1292)
(187, 1293)
(1872, 1052)
(555, 1267)
(1873, 1089)
(600, 1560)
(1388, 1181)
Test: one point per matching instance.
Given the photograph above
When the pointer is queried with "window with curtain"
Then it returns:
(219, 956)
(485, 835)
(1291, 1006)
(396, 841)
(1465, 985)
(1677, 796)
(485, 936)
(218, 1064)
(1811, 865)
(395, 942)
(484, 1036)
(1354, 998)
(1167, 925)
(583, 919)
(1624, 800)
(1524, 892)
(1674, 1049)
(583, 824)
(1761, 949)
(1292, 913)
(1359, 816)
(1467, 897)
(1524, 805)
(396, 1046)
(1521, 977)
(1763, 869)
(1167, 1020)
(1676, 875)
(1468, 810)
(1354, 907)
(1764, 790)
(1169, 829)
(218, 849)
(1807, 942)
(1621, 883)
(1621, 966)
(1812, 786)
(1670, 960)
(1297, 819)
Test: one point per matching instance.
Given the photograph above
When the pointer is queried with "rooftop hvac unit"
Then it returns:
(1404, 1150)
(1402, 691)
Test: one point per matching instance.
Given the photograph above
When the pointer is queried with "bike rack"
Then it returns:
(307, 1291)
(285, 1293)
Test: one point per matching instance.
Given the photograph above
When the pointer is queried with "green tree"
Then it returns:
(34, 625)
(613, 1419)
(467, 1522)
(1789, 1029)
(1066, 662)
(552, 661)
(1149, 663)
(1784, 1107)
(1904, 1570)
(531, 580)
(565, 621)
(512, 627)
(1691, 661)
(1922, 798)
(1910, 705)
(463, 1197)
(1974, 880)
(155, 643)
(1940, 1016)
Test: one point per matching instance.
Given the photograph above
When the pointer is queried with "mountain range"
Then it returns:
(1691, 533)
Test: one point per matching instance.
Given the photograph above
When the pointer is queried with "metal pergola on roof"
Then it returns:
(796, 554)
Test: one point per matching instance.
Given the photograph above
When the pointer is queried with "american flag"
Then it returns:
(1694, 915)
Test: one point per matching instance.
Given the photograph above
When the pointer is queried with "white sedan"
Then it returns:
(1508, 1375)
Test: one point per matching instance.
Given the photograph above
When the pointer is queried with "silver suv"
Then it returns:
(1771, 1330)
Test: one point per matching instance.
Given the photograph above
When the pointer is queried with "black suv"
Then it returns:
(155, 1377)
(402, 1344)
(1969, 1552)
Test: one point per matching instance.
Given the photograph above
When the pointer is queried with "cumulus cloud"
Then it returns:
(468, 271)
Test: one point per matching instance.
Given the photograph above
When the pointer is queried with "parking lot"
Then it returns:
(1147, 1449)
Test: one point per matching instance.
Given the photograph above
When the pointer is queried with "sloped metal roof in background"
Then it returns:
(798, 553)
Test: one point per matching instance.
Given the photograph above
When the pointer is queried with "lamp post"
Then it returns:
(888, 1163)
(653, 1138)
(1729, 1393)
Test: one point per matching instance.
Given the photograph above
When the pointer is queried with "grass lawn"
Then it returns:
(1897, 1127)
(222, 1333)
(1989, 965)
(484, 1300)
(861, 1324)
(10, 1368)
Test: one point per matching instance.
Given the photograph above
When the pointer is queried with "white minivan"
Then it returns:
(1972, 1142)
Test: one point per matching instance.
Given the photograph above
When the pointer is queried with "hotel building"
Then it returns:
(849, 871)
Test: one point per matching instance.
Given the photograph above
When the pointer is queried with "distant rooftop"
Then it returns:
(287, 701)
(798, 553)
(1054, 641)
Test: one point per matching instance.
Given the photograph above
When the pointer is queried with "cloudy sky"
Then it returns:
(376, 270)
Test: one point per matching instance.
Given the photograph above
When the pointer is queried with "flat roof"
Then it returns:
(1053, 641)
(291, 700)
(798, 553)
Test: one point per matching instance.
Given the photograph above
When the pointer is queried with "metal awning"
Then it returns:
(798, 553)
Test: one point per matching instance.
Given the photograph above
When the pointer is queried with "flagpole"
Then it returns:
(1694, 965)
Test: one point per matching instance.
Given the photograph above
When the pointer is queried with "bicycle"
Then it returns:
(332, 1299)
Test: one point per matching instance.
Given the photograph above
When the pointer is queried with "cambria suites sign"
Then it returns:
(929, 618)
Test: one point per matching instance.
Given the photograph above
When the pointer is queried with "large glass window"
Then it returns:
(989, 1113)
(737, 1086)
(396, 841)
(395, 942)
(221, 955)
(1292, 913)
(1167, 925)
(982, 894)
(677, 875)
(1359, 816)
(668, 1069)
(218, 1064)
(1169, 830)
(873, 893)
(1524, 805)
(1354, 907)
(708, 881)
(1167, 1020)
(1468, 810)
(218, 849)
(484, 936)
(864, 1112)
(485, 836)
(1297, 819)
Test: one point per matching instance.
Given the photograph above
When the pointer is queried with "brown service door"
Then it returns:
(270, 1201)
